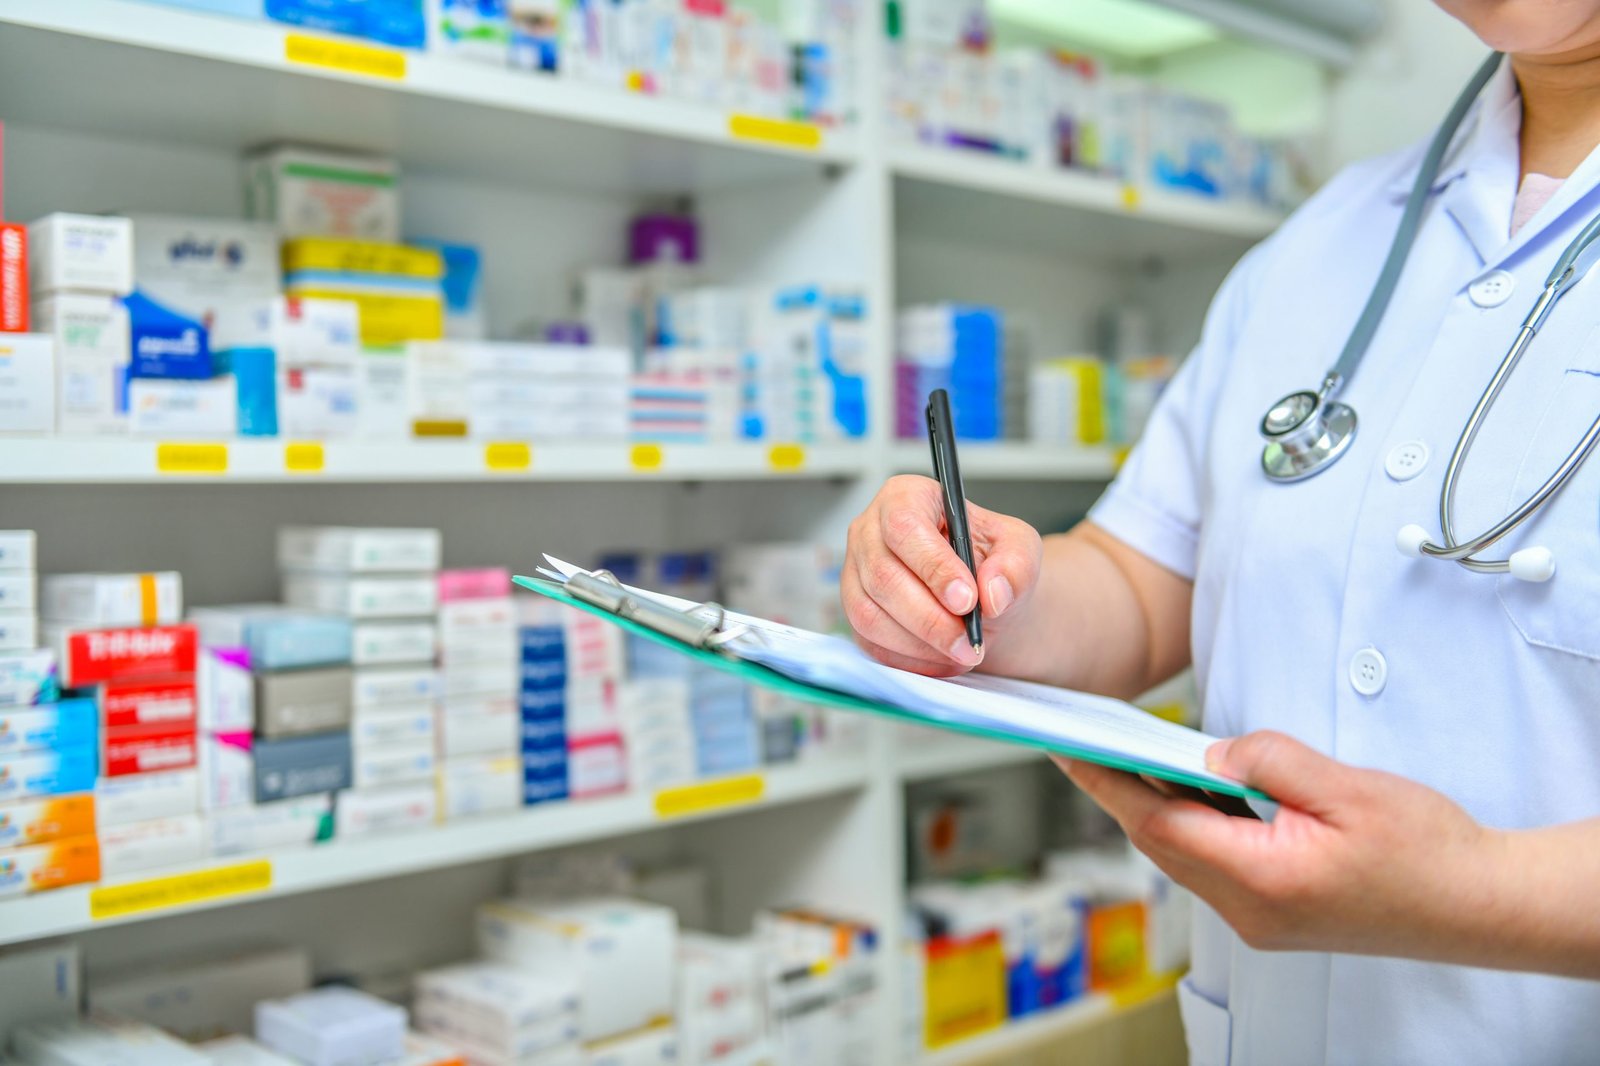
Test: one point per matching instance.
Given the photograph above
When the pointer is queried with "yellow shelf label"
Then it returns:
(304, 457)
(786, 456)
(507, 455)
(710, 795)
(785, 132)
(645, 457)
(180, 890)
(192, 458)
(1130, 198)
(347, 57)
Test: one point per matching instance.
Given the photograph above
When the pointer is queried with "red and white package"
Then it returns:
(13, 278)
(165, 701)
(92, 656)
(147, 749)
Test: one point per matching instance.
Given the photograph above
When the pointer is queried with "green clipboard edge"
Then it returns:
(769, 678)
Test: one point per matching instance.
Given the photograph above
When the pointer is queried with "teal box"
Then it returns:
(49, 726)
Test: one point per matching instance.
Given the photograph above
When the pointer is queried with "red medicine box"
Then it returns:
(147, 749)
(92, 656)
(165, 701)
(13, 278)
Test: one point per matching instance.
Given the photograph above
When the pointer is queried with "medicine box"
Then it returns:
(18, 591)
(358, 550)
(39, 821)
(480, 678)
(178, 408)
(167, 701)
(378, 727)
(19, 630)
(301, 766)
(276, 637)
(295, 702)
(16, 549)
(87, 253)
(392, 643)
(43, 983)
(201, 267)
(392, 764)
(479, 727)
(332, 1026)
(475, 619)
(479, 784)
(225, 691)
(28, 678)
(39, 867)
(13, 294)
(102, 1039)
(285, 823)
(396, 809)
(153, 845)
(655, 1046)
(200, 996)
(227, 770)
(141, 797)
(483, 583)
(148, 749)
(240, 1050)
(30, 774)
(90, 656)
(396, 686)
(497, 1011)
(27, 382)
(362, 597)
(91, 396)
(49, 726)
(621, 952)
(308, 192)
(112, 599)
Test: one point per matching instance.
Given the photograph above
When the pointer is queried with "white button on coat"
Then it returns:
(1406, 461)
(1369, 671)
(1493, 289)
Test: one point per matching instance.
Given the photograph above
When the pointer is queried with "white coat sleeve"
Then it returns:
(1156, 503)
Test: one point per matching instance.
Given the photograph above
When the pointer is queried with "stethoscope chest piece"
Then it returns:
(1305, 432)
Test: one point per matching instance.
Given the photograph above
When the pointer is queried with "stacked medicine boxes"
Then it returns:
(954, 347)
(386, 582)
(79, 267)
(478, 721)
(518, 391)
(275, 714)
(494, 1012)
(122, 650)
(542, 700)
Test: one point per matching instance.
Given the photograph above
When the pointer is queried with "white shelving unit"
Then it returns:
(120, 105)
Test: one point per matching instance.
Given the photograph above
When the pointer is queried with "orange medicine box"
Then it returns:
(13, 278)
(1116, 945)
(73, 861)
(39, 821)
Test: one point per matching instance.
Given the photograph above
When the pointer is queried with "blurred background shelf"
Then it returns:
(142, 72)
(309, 869)
(1020, 461)
(942, 755)
(55, 460)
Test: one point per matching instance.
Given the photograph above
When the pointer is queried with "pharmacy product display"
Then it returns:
(999, 390)
(575, 969)
(948, 84)
(723, 55)
(383, 694)
(316, 321)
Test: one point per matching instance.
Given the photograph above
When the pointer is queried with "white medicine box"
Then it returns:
(82, 253)
(27, 383)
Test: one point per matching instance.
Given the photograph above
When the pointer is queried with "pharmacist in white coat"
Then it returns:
(1430, 891)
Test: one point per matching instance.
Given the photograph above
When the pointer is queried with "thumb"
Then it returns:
(1285, 769)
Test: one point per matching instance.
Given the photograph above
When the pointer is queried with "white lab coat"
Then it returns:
(1309, 621)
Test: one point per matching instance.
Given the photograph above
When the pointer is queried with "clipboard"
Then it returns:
(704, 635)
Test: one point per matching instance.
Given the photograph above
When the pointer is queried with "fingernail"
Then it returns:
(958, 596)
(962, 652)
(1217, 755)
(1000, 595)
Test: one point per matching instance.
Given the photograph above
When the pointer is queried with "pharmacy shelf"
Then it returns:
(1018, 462)
(971, 196)
(1014, 1038)
(68, 910)
(114, 460)
(941, 755)
(142, 72)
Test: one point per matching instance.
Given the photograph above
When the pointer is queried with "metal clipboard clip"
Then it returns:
(704, 626)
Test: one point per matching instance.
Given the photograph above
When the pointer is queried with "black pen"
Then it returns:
(947, 469)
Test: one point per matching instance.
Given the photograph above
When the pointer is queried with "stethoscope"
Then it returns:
(1307, 431)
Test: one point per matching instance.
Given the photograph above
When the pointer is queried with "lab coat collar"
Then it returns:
(1497, 104)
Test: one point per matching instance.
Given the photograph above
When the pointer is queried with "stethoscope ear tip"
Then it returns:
(1410, 540)
(1534, 564)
